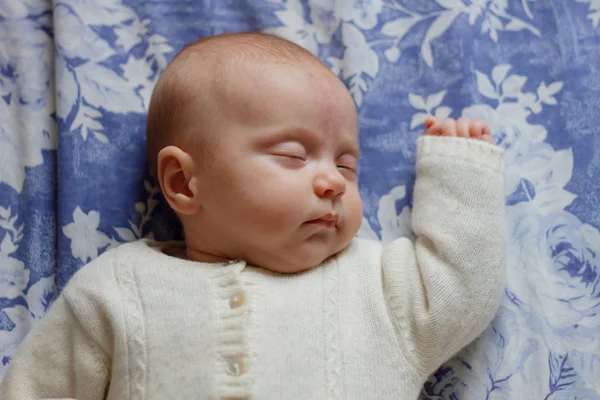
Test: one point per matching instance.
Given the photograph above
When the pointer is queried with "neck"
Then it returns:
(201, 256)
(199, 249)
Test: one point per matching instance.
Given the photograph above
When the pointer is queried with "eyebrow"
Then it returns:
(302, 135)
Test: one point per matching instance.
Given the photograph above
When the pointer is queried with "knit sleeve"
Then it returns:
(444, 289)
(62, 356)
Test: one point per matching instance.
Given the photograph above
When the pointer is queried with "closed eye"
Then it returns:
(347, 162)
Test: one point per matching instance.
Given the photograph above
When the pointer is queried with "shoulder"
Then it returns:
(366, 250)
(366, 245)
(105, 262)
(100, 274)
(96, 293)
(360, 250)
(96, 296)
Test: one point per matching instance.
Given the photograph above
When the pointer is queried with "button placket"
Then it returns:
(235, 365)
(237, 300)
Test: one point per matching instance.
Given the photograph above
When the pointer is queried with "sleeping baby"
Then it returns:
(255, 145)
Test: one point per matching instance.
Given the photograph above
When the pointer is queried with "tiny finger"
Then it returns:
(434, 130)
(430, 121)
(462, 127)
(487, 138)
(449, 127)
(476, 129)
(486, 130)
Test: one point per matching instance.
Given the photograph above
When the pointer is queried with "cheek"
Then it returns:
(355, 211)
(262, 197)
(268, 217)
(270, 186)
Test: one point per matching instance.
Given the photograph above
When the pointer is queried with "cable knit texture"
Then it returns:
(334, 381)
(136, 345)
(372, 322)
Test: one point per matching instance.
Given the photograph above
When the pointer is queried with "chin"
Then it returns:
(312, 260)
(293, 266)
(300, 259)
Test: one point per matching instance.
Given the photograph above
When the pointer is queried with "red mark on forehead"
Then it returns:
(328, 112)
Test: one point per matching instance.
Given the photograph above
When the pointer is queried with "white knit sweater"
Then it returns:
(370, 323)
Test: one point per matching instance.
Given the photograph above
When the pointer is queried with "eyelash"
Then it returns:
(302, 159)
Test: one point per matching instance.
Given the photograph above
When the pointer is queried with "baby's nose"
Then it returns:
(331, 184)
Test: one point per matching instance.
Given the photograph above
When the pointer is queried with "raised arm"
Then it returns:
(444, 289)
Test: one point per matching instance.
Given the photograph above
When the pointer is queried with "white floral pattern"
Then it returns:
(13, 276)
(25, 92)
(76, 77)
(594, 11)
(91, 86)
(17, 320)
(85, 238)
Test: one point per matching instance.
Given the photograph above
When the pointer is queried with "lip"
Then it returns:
(328, 220)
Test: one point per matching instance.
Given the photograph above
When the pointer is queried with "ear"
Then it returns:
(177, 177)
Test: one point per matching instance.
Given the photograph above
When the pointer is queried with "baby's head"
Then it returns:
(255, 144)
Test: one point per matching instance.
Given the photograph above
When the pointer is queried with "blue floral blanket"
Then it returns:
(76, 77)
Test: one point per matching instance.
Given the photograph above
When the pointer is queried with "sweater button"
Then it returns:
(235, 366)
(237, 300)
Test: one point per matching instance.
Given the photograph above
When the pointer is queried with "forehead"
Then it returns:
(329, 110)
(274, 94)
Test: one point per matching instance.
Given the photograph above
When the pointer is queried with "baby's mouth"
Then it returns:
(328, 220)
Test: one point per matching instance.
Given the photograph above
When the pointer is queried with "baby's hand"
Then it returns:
(463, 127)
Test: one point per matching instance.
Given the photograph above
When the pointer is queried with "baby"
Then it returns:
(255, 144)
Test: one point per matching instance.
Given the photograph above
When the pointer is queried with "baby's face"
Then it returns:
(282, 191)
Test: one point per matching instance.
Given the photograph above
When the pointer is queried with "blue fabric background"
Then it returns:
(76, 77)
